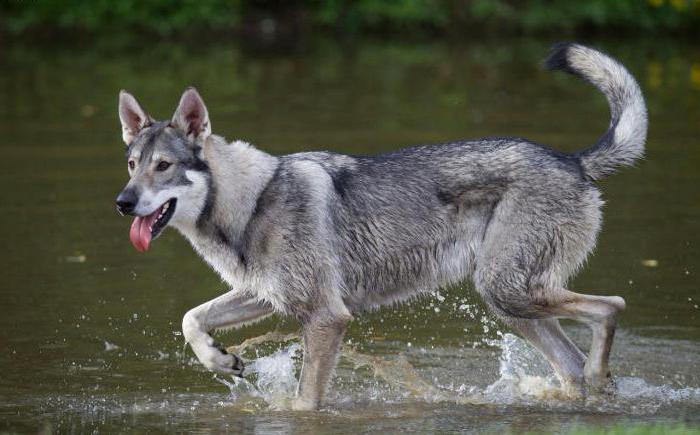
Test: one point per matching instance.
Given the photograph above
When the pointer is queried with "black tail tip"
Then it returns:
(558, 60)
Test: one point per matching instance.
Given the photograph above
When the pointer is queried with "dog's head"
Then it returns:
(169, 180)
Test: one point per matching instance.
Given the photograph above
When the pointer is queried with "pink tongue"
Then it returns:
(140, 233)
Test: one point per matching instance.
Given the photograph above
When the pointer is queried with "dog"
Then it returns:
(324, 237)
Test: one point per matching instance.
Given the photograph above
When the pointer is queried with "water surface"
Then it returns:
(90, 329)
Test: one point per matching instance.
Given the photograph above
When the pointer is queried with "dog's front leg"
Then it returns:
(231, 310)
(323, 336)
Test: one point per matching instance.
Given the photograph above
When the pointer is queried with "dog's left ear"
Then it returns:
(191, 116)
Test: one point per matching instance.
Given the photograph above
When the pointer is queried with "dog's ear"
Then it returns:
(191, 115)
(132, 116)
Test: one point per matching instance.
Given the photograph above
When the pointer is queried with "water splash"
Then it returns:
(636, 396)
(398, 373)
(274, 376)
(524, 374)
(269, 337)
(276, 381)
(524, 379)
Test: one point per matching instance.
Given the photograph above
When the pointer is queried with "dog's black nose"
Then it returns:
(126, 201)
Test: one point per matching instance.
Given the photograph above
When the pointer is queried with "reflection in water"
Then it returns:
(91, 329)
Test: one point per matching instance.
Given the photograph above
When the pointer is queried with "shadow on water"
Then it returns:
(90, 329)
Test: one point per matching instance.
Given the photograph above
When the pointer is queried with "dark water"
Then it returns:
(89, 330)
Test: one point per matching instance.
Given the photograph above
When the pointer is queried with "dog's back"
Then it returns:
(413, 220)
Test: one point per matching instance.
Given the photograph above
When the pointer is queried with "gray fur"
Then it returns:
(623, 143)
(323, 237)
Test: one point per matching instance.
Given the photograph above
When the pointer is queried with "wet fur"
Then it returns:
(324, 236)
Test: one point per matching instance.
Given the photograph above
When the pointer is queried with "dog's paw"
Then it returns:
(237, 366)
(215, 358)
(603, 387)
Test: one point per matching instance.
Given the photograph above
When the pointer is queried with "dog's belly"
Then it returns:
(408, 273)
(451, 264)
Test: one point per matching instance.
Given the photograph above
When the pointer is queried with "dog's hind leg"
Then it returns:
(230, 310)
(551, 340)
(529, 308)
(323, 335)
(520, 274)
(600, 314)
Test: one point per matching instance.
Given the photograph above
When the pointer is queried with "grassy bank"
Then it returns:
(273, 17)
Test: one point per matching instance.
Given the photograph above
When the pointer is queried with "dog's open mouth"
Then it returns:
(146, 228)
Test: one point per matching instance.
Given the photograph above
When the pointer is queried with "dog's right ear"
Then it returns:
(132, 116)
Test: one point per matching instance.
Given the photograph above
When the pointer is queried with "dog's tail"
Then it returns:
(623, 143)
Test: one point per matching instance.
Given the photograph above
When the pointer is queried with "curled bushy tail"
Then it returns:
(623, 143)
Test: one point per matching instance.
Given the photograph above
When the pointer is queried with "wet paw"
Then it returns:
(237, 367)
(603, 386)
(215, 358)
(610, 387)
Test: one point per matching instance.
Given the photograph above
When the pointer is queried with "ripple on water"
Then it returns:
(493, 382)
(524, 379)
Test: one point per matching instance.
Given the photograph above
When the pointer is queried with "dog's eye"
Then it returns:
(132, 165)
(162, 165)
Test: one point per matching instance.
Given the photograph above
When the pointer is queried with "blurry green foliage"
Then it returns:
(525, 16)
(160, 16)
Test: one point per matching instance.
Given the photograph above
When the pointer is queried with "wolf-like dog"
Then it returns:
(324, 237)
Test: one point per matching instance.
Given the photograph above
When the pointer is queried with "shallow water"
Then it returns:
(90, 328)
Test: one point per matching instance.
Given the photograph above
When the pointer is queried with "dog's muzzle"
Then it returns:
(126, 201)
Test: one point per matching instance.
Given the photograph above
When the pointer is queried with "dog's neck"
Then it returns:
(239, 174)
